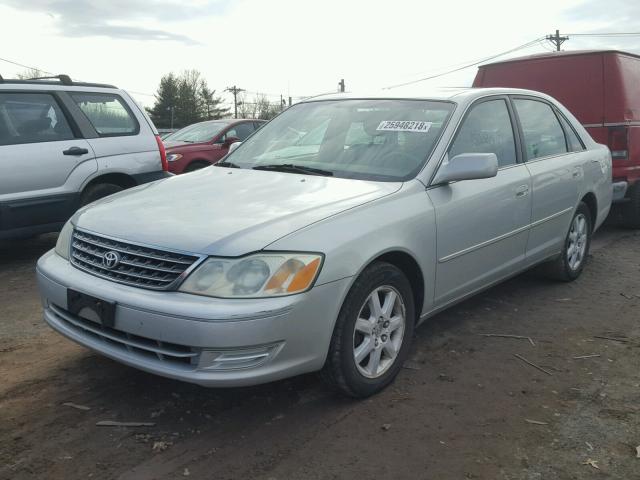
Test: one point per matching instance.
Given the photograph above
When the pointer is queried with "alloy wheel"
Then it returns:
(379, 331)
(577, 244)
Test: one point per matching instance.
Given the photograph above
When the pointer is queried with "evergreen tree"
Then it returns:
(212, 107)
(188, 97)
(166, 101)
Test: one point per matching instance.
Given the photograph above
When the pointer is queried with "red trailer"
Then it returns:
(602, 89)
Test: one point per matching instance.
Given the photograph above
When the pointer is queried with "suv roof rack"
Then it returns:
(61, 79)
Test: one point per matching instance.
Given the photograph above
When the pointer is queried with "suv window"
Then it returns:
(32, 118)
(543, 135)
(573, 141)
(107, 113)
(487, 129)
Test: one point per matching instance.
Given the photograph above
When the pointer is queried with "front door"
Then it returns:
(482, 225)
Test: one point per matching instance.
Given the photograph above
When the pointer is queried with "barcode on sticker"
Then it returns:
(403, 126)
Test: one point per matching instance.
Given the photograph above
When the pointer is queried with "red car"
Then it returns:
(600, 87)
(205, 143)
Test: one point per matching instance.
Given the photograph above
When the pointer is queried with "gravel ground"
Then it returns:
(464, 408)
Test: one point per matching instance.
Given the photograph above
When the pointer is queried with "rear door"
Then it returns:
(43, 160)
(482, 225)
(121, 137)
(554, 160)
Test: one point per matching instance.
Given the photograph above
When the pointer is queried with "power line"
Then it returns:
(605, 34)
(26, 66)
(473, 64)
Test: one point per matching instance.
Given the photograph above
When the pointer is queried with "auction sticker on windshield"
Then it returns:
(403, 126)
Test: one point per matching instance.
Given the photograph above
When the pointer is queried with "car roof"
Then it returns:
(451, 94)
(570, 53)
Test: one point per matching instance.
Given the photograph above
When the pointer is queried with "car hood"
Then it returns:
(225, 211)
(173, 146)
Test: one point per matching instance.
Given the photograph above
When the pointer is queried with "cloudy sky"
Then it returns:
(292, 47)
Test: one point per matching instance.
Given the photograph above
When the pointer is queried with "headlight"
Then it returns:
(172, 157)
(259, 275)
(64, 240)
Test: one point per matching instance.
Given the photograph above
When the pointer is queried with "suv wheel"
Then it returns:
(98, 191)
(373, 332)
(569, 265)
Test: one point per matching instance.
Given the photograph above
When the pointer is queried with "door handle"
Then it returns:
(75, 151)
(522, 190)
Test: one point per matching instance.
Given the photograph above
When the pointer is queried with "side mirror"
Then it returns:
(230, 141)
(233, 146)
(467, 166)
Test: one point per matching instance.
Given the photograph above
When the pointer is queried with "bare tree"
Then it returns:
(30, 73)
(257, 107)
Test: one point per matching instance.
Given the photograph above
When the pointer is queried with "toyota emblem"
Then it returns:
(111, 259)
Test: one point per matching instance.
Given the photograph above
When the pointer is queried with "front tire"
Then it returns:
(373, 332)
(569, 265)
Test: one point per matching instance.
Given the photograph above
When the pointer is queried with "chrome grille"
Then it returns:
(180, 356)
(138, 265)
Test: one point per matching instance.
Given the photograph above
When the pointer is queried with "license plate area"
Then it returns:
(91, 308)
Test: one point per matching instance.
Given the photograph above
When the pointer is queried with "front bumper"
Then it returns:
(207, 341)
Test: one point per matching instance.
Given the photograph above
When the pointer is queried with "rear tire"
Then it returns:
(98, 191)
(630, 214)
(569, 265)
(371, 339)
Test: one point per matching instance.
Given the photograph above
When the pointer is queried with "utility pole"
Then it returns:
(171, 108)
(235, 90)
(341, 85)
(557, 40)
(289, 101)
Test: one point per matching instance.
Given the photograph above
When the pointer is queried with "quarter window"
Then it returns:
(31, 118)
(573, 142)
(543, 135)
(107, 113)
(487, 129)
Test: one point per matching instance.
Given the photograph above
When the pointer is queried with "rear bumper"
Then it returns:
(207, 341)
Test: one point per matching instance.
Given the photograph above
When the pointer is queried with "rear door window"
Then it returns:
(543, 135)
(487, 129)
(32, 118)
(108, 114)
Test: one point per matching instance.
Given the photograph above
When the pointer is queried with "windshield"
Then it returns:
(385, 140)
(198, 132)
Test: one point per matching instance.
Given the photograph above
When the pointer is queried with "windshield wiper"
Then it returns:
(291, 168)
(227, 164)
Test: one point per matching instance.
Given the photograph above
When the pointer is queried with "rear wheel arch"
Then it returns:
(121, 179)
(105, 185)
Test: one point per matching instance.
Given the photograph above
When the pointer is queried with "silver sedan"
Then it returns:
(322, 241)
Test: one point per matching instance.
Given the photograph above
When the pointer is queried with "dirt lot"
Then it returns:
(466, 408)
